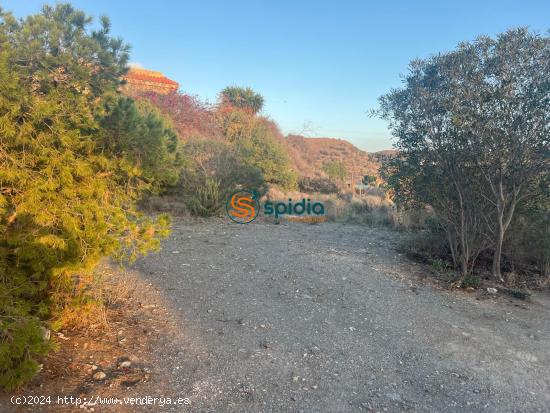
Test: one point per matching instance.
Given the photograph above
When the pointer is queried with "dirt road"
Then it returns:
(330, 318)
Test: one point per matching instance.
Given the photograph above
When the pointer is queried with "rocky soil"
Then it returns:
(330, 318)
(320, 318)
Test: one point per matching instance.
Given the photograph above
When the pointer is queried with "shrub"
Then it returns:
(336, 170)
(528, 248)
(439, 265)
(231, 133)
(207, 200)
(64, 201)
(22, 343)
(192, 118)
(319, 184)
(147, 142)
(476, 167)
(371, 210)
(428, 245)
(258, 145)
(215, 161)
(442, 270)
(470, 281)
(242, 98)
(520, 294)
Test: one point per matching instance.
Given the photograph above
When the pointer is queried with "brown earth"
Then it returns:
(308, 156)
(312, 318)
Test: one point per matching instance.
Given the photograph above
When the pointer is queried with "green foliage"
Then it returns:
(222, 161)
(137, 132)
(258, 146)
(520, 294)
(369, 179)
(529, 245)
(263, 151)
(443, 272)
(229, 142)
(470, 281)
(472, 133)
(439, 265)
(428, 244)
(21, 338)
(65, 199)
(207, 200)
(215, 170)
(336, 170)
(242, 98)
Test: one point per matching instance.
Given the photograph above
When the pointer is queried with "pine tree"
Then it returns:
(66, 198)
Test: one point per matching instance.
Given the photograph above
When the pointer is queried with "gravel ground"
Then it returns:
(330, 318)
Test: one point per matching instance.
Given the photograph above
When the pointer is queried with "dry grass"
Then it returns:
(96, 296)
(122, 324)
(374, 208)
(308, 155)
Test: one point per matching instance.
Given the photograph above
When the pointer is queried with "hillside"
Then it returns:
(194, 119)
(310, 154)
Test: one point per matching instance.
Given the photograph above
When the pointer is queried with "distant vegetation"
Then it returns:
(336, 170)
(234, 128)
(242, 98)
(227, 146)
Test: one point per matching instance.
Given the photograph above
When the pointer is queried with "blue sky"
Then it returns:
(321, 65)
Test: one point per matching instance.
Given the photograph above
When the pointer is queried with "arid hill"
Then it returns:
(310, 154)
(195, 120)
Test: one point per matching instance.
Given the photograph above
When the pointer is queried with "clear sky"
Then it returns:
(321, 65)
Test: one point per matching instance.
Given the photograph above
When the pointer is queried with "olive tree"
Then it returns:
(502, 104)
(480, 117)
